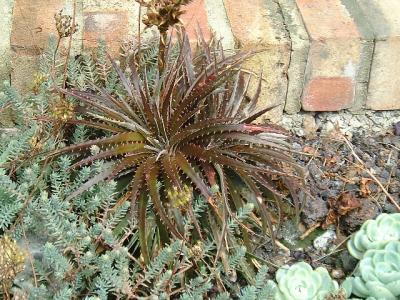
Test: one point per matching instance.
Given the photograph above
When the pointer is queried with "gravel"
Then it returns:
(369, 122)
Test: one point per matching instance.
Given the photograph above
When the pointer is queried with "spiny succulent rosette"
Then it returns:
(378, 274)
(301, 282)
(188, 133)
(375, 234)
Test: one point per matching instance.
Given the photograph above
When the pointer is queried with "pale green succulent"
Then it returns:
(301, 282)
(375, 234)
(378, 274)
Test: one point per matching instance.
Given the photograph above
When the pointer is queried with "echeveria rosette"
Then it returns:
(375, 234)
(301, 282)
(378, 274)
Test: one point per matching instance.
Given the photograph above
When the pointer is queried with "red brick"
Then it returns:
(195, 17)
(334, 58)
(328, 94)
(112, 26)
(33, 21)
(327, 19)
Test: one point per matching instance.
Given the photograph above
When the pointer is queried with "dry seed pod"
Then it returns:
(64, 25)
(163, 14)
(62, 110)
(12, 260)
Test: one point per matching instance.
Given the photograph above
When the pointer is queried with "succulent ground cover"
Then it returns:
(148, 178)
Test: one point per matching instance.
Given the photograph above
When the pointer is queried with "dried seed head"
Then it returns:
(197, 251)
(38, 79)
(162, 13)
(12, 260)
(36, 143)
(64, 25)
(62, 110)
(180, 197)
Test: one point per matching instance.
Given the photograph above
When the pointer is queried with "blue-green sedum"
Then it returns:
(301, 282)
(375, 234)
(378, 274)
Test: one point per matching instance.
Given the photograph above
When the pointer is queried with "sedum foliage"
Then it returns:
(377, 245)
(377, 275)
(375, 234)
(300, 281)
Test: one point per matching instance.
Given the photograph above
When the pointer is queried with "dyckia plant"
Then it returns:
(188, 134)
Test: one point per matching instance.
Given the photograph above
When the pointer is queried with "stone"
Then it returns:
(338, 274)
(397, 128)
(359, 124)
(349, 263)
(384, 85)
(314, 210)
(289, 233)
(310, 126)
(354, 219)
(258, 25)
(338, 56)
(324, 240)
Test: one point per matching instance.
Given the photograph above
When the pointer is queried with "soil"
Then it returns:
(343, 195)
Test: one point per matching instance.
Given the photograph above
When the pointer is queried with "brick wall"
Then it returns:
(321, 55)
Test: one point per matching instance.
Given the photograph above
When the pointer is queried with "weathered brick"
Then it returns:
(335, 57)
(6, 7)
(115, 21)
(24, 66)
(337, 93)
(195, 18)
(258, 24)
(33, 21)
(111, 26)
(384, 85)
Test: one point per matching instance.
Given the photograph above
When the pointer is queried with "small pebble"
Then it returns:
(323, 241)
(394, 189)
(337, 274)
(397, 128)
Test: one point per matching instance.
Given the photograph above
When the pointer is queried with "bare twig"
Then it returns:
(370, 173)
(310, 230)
(69, 45)
(53, 67)
(30, 258)
(221, 241)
